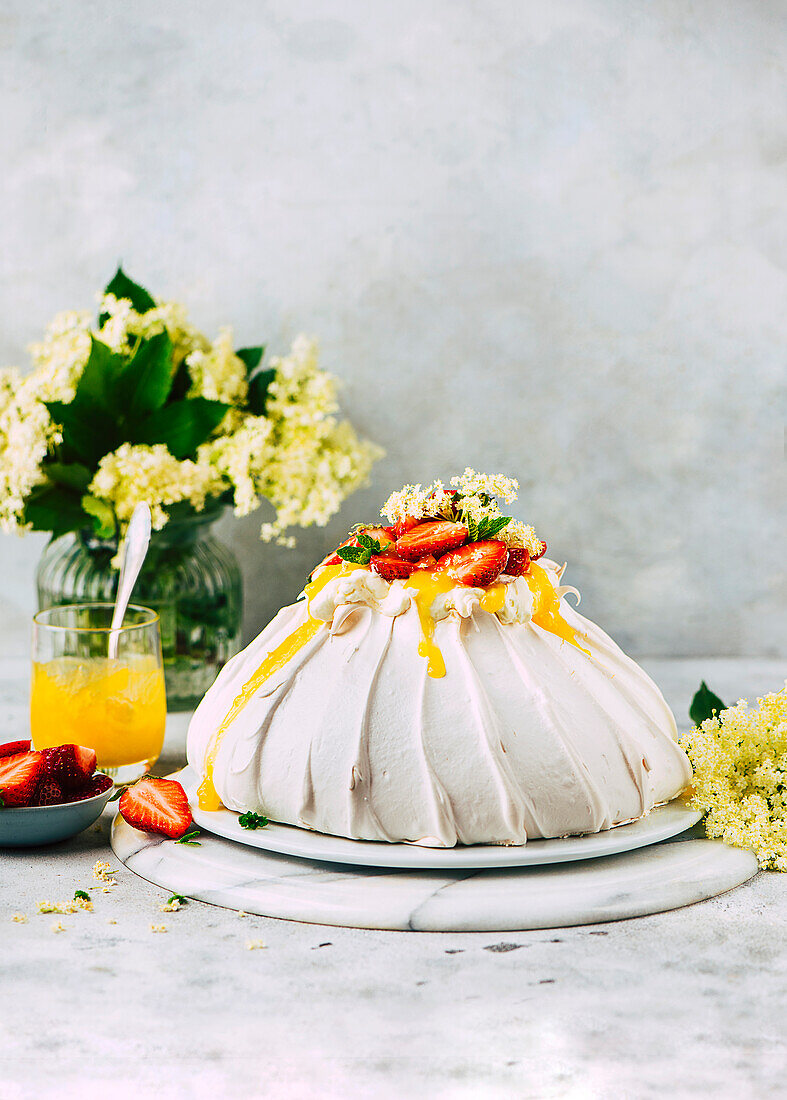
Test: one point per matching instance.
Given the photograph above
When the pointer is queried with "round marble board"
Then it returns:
(650, 880)
(660, 824)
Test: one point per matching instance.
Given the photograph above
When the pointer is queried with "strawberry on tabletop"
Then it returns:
(157, 806)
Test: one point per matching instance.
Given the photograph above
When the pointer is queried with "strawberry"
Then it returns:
(70, 765)
(540, 554)
(48, 793)
(518, 561)
(476, 564)
(383, 535)
(97, 784)
(11, 748)
(433, 537)
(392, 568)
(404, 525)
(19, 776)
(157, 806)
(429, 562)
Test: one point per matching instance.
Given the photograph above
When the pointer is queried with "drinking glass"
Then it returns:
(80, 694)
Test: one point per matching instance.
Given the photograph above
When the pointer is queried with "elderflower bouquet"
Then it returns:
(739, 755)
(141, 406)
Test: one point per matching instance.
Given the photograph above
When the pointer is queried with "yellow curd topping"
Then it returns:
(428, 586)
(546, 606)
(275, 660)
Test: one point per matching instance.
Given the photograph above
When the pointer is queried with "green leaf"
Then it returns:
(81, 895)
(54, 509)
(472, 529)
(97, 385)
(182, 425)
(258, 391)
(360, 555)
(71, 474)
(88, 432)
(146, 380)
(178, 898)
(250, 820)
(368, 543)
(103, 515)
(252, 357)
(704, 705)
(489, 527)
(122, 287)
(190, 838)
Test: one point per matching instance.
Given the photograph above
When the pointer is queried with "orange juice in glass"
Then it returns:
(79, 694)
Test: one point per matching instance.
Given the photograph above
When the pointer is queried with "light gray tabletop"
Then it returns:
(685, 1003)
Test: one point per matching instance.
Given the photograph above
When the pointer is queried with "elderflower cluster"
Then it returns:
(136, 472)
(26, 436)
(123, 326)
(740, 776)
(312, 461)
(470, 500)
(218, 373)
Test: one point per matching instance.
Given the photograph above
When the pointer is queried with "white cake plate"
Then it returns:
(652, 880)
(661, 824)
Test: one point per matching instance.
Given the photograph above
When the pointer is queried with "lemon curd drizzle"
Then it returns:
(274, 661)
(546, 606)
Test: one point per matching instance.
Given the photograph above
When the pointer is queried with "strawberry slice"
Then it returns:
(392, 568)
(383, 535)
(433, 537)
(11, 748)
(540, 554)
(69, 765)
(518, 561)
(157, 806)
(19, 776)
(476, 564)
(404, 525)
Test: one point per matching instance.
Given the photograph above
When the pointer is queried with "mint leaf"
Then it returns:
(367, 542)
(71, 474)
(81, 895)
(359, 555)
(704, 705)
(103, 515)
(122, 287)
(472, 529)
(190, 838)
(182, 425)
(145, 382)
(258, 391)
(252, 357)
(178, 898)
(489, 526)
(250, 820)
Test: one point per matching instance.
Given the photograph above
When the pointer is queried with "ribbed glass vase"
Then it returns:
(190, 578)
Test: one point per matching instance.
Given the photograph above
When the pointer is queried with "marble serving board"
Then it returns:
(650, 880)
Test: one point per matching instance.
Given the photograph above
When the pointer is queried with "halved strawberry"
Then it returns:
(11, 748)
(404, 525)
(157, 806)
(540, 554)
(476, 564)
(391, 567)
(383, 535)
(48, 793)
(19, 776)
(436, 536)
(70, 765)
(428, 562)
(518, 561)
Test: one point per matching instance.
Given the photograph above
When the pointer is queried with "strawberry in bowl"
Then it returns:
(49, 795)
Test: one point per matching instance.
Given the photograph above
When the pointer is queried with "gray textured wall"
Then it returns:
(542, 237)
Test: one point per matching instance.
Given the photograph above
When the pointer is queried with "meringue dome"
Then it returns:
(337, 719)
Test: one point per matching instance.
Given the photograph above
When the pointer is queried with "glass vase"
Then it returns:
(190, 578)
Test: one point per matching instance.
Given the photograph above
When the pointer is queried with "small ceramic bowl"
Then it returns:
(30, 826)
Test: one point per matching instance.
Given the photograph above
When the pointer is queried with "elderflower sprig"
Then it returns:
(740, 776)
(472, 501)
